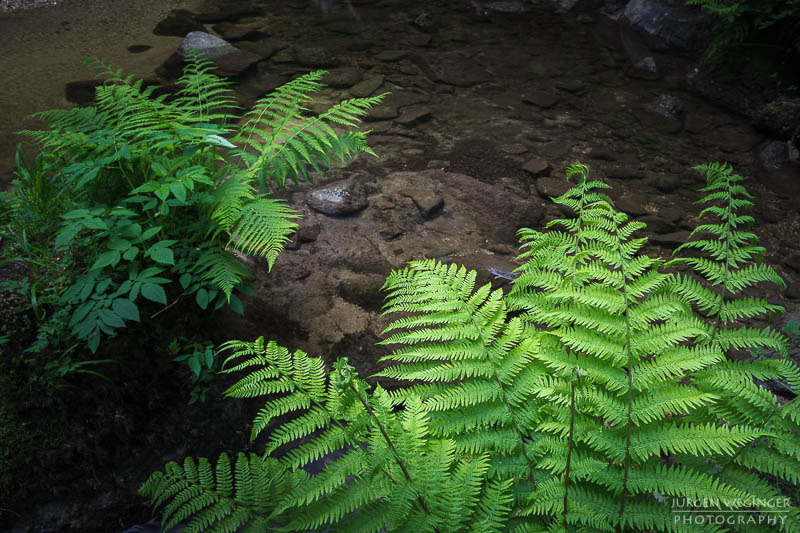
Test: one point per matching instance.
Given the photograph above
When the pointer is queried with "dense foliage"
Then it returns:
(151, 196)
(601, 393)
(748, 21)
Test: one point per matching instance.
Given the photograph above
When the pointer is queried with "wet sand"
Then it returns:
(41, 50)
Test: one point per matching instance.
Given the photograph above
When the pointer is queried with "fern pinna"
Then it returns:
(605, 402)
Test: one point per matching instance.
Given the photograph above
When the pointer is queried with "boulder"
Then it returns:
(206, 44)
(337, 199)
(669, 24)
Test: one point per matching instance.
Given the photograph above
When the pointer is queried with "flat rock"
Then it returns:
(235, 32)
(736, 138)
(206, 44)
(536, 167)
(624, 172)
(542, 99)
(670, 240)
(513, 148)
(178, 23)
(339, 198)
(632, 204)
(657, 224)
(412, 115)
(453, 68)
(342, 78)
(381, 112)
(366, 87)
(570, 85)
(428, 201)
(315, 56)
(235, 63)
(551, 187)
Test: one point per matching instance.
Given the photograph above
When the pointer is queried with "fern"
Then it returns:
(604, 397)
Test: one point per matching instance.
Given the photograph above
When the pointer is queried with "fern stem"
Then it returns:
(520, 434)
(629, 372)
(389, 442)
(570, 442)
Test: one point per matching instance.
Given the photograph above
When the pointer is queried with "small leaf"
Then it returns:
(178, 190)
(66, 235)
(106, 258)
(159, 169)
(119, 245)
(94, 340)
(236, 304)
(154, 293)
(130, 253)
(185, 280)
(95, 223)
(111, 318)
(149, 232)
(209, 356)
(162, 255)
(201, 297)
(131, 231)
(126, 309)
(194, 364)
(219, 141)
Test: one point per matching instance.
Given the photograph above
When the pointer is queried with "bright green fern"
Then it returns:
(591, 397)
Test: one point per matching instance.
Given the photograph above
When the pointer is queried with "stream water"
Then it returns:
(490, 101)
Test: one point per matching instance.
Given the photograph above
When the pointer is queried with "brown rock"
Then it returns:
(428, 201)
(365, 88)
(542, 99)
(536, 167)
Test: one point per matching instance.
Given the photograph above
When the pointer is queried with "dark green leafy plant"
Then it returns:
(202, 362)
(146, 189)
(602, 401)
(737, 22)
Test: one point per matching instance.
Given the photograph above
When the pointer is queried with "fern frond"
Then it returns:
(263, 226)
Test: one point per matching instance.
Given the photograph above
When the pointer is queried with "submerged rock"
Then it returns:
(206, 44)
(336, 199)
(670, 24)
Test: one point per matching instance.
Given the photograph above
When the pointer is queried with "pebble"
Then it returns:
(336, 199)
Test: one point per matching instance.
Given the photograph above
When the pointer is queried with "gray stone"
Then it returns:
(632, 204)
(669, 23)
(315, 57)
(773, 154)
(413, 115)
(513, 148)
(644, 69)
(666, 105)
(206, 44)
(367, 87)
(536, 166)
(667, 182)
(551, 187)
(542, 99)
(343, 78)
(570, 85)
(235, 63)
(624, 172)
(657, 224)
(453, 68)
(670, 240)
(428, 201)
(381, 112)
(736, 138)
(339, 198)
